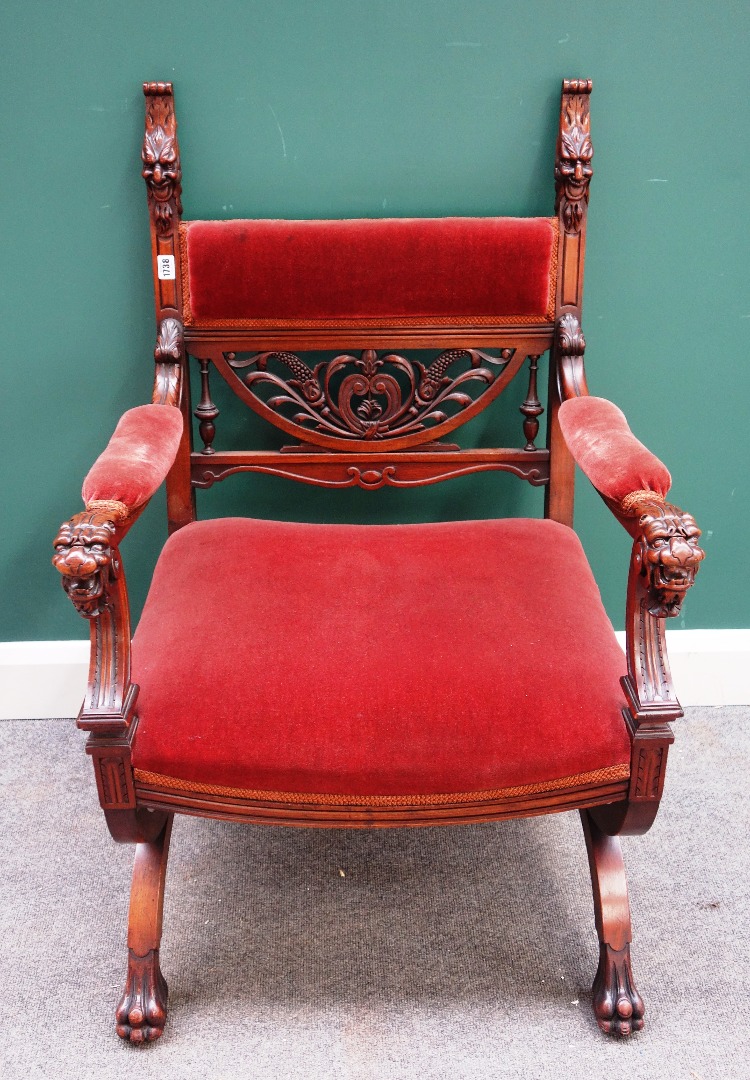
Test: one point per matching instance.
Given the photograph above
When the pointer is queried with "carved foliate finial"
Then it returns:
(160, 155)
(168, 348)
(570, 339)
(167, 354)
(570, 86)
(571, 346)
(573, 169)
(668, 554)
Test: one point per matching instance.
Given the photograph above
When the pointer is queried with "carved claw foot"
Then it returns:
(142, 1011)
(618, 1006)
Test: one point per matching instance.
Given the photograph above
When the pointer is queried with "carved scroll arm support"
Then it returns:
(87, 555)
(633, 483)
(116, 490)
(169, 354)
(569, 349)
(665, 559)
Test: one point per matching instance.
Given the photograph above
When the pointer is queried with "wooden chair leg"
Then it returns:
(618, 1006)
(142, 1011)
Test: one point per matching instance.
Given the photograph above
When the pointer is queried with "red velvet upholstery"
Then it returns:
(606, 449)
(138, 457)
(376, 659)
(390, 268)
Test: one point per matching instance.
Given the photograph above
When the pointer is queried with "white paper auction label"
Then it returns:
(165, 266)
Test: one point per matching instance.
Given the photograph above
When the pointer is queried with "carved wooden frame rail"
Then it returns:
(375, 443)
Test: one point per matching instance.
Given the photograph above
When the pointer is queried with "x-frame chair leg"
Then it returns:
(142, 1011)
(618, 1006)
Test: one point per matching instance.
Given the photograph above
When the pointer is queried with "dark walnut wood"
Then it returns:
(160, 154)
(571, 346)
(532, 407)
(168, 355)
(573, 169)
(233, 807)
(88, 558)
(206, 412)
(369, 397)
(162, 171)
(142, 1011)
(666, 555)
(373, 470)
(664, 561)
(85, 557)
(371, 417)
(572, 179)
(354, 402)
(618, 1006)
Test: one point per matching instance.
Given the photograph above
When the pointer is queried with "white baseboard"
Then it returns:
(40, 679)
(709, 667)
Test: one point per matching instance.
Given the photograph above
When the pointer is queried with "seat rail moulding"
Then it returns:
(361, 817)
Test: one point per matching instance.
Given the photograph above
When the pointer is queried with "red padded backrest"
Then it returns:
(239, 273)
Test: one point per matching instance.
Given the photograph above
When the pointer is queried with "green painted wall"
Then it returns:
(344, 108)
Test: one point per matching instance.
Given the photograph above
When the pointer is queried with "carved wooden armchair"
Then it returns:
(490, 711)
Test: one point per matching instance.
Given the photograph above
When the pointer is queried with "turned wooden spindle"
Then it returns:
(206, 412)
(532, 407)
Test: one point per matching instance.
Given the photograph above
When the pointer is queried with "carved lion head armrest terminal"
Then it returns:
(666, 554)
(86, 555)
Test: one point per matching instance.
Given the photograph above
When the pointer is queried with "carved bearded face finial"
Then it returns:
(573, 170)
(83, 556)
(670, 556)
(161, 171)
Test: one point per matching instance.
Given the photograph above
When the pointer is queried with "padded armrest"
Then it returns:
(137, 458)
(607, 451)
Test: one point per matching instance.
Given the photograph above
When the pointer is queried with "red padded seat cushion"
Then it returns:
(376, 660)
(444, 268)
(608, 452)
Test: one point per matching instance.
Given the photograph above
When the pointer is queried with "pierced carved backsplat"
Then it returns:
(358, 402)
(368, 400)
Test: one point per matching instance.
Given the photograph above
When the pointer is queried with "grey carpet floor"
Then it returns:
(447, 953)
